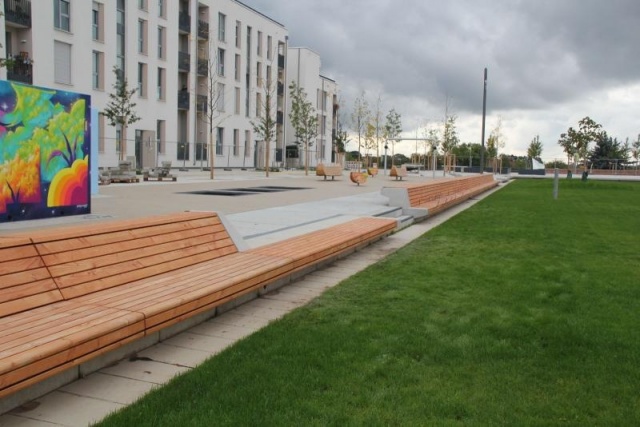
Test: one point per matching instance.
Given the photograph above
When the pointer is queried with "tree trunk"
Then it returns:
(306, 158)
(123, 143)
(266, 156)
(212, 154)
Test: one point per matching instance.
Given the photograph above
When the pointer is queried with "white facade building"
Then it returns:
(303, 67)
(166, 48)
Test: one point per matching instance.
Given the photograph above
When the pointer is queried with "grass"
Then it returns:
(522, 310)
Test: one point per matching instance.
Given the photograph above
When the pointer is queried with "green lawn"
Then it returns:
(522, 310)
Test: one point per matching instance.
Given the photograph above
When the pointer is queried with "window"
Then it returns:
(220, 93)
(259, 74)
(160, 127)
(236, 142)
(247, 143)
(62, 15)
(259, 42)
(161, 42)
(62, 62)
(98, 70)
(238, 34)
(237, 101)
(219, 140)
(161, 83)
(221, 62)
(97, 21)
(269, 77)
(142, 4)
(118, 138)
(142, 79)
(237, 68)
(269, 47)
(222, 22)
(161, 9)
(142, 36)
(258, 105)
(101, 126)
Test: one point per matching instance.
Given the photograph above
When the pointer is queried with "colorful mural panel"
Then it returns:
(45, 140)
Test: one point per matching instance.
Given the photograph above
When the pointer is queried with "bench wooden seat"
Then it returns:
(325, 171)
(399, 172)
(436, 196)
(70, 295)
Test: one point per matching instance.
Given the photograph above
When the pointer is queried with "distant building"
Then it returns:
(165, 49)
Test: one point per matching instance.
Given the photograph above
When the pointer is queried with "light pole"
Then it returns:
(386, 147)
(484, 114)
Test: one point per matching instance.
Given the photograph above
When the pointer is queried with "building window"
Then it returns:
(62, 62)
(142, 4)
(236, 142)
(142, 79)
(259, 74)
(259, 43)
(238, 34)
(161, 42)
(247, 143)
(269, 47)
(269, 87)
(222, 23)
(237, 68)
(161, 83)
(160, 126)
(142, 36)
(221, 62)
(98, 70)
(219, 140)
(237, 101)
(220, 93)
(258, 105)
(161, 9)
(62, 15)
(97, 21)
(101, 126)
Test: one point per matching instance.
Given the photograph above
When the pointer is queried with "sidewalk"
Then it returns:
(282, 214)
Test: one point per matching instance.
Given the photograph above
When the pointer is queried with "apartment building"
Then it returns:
(178, 54)
(303, 67)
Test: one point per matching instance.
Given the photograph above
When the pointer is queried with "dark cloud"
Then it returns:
(539, 53)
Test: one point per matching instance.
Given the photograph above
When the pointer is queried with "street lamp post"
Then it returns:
(386, 147)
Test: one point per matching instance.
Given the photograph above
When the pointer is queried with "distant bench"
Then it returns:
(102, 291)
(398, 172)
(432, 197)
(332, 171)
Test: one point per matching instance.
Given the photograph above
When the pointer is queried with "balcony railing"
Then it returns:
(183, 100)
(184, 61)
(20, 72)
(203, 67)
(203, 29)
(18, 12)
(184, 22)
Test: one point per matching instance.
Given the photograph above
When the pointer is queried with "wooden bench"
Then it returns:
(332, 171)
(432, 197)
(399, 173)
(70, 295)
(372, 171)
(358, 177)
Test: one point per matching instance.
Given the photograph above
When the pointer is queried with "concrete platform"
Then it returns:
(259, 218)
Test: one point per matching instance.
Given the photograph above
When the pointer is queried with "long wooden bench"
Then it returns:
(72, 294)
(325, 171)
(431, 197)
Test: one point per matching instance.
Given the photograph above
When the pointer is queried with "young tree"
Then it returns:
(449, 133)
(265, 124)
(568, 144)
(635, 150)
(576, 142)
(120, 109)
(377, 123)
(393, 129)
(360, 118)
(535, 148)
(370, 142)
(304, 120)
(213, 112)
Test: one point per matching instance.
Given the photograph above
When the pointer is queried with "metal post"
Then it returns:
(484, 114)
(385, 158)
(555, 184)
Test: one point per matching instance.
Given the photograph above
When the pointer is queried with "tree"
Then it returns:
(360, 118)
(213, 115)
(535, 148)
(265, 124)
(609, 153)
(304, 120)
(369, 140)
(393, 129)
(635, 150)
(377, 123)
(120, 110)
(449, 133)
(576, 142)
(568, 144)
(496, 140)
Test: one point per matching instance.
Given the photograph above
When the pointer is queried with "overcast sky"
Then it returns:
(550, 62)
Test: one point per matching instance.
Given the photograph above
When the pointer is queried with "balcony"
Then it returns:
(280, 117)
(18, 13)
(183, 100)
(280, 61)
(203, 67)
(184, 62)
(184, 22)
(203, 29)
(201, 103)
(20, 72)
(280, 88)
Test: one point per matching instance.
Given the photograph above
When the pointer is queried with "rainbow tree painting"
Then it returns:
(44, 152)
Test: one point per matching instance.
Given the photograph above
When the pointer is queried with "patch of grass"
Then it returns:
(522, 310)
